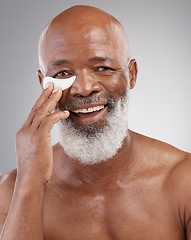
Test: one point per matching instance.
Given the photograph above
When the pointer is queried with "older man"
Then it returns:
(102, 181)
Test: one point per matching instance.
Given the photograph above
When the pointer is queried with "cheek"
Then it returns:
(116, 85)
(63, 98)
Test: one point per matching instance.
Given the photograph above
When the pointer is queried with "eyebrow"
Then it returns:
(60, 63)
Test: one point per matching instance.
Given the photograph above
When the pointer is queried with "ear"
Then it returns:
(40, 78)
(132, 73)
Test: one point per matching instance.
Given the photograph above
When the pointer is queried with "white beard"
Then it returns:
(94, 144)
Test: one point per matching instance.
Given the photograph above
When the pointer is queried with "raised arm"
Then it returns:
(24, 220)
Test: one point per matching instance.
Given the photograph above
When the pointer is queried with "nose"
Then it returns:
(84, 85)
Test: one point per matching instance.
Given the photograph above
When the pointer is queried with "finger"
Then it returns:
(46, 93)
(49, 121)
(47, 107)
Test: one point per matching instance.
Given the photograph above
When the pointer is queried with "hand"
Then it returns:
(33, 141)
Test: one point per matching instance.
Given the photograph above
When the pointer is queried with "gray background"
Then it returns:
(159, 33)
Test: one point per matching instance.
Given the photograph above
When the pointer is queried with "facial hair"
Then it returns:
(98, 142)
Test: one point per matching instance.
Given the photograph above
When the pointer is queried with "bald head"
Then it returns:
(82, 24)
(82, 14)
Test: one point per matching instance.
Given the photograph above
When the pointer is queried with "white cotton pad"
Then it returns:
(61, 83)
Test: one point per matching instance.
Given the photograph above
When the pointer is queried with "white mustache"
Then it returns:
(81, 101)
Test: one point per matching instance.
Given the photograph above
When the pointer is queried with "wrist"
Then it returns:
(28, 184)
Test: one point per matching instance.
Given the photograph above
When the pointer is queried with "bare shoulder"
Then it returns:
(7, 182)
(179, 179)
(174, 168)
(179, 172)
(169, 161)
(178, 190)
(159, 153)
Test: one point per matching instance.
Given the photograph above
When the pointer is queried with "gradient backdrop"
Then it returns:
(159, 33)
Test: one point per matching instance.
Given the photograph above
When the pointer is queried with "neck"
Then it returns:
(68, 171)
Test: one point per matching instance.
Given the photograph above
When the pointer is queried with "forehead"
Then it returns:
(70, 42)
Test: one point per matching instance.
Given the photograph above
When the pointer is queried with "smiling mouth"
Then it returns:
(89, 110)
(88, 115)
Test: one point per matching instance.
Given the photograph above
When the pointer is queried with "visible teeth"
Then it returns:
(88, 110)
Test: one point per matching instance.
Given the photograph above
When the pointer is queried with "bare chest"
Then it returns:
(118, 215)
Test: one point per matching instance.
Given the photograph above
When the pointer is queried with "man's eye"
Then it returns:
(103, 69)
(62, 74)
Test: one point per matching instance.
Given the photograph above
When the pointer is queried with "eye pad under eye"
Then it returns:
(61, 83)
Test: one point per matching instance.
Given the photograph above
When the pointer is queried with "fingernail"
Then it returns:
(47, 85)
(65, 111)
(56, 90)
